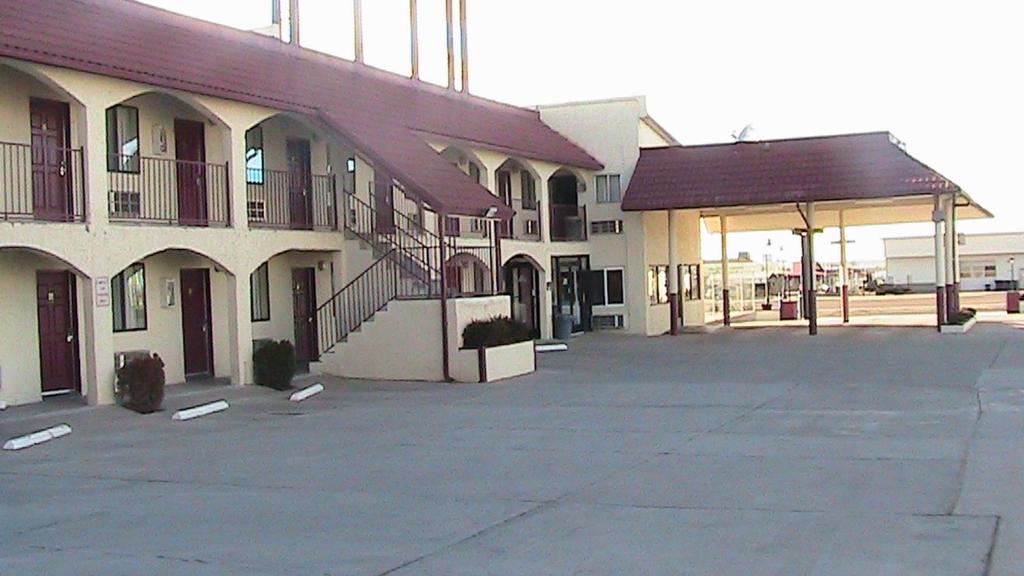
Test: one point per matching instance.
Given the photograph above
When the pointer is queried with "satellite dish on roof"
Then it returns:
(743, 135)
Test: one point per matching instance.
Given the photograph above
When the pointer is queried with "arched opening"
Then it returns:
(568, 215)
(286, 291)
(175, 303)
(41, 303)
(517, 188)
(289, 175)
(167, 163)
(468, 275)
(523, 285)
(41, 159)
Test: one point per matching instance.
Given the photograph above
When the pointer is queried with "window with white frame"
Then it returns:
(259, 293)
(128, 299)
(609, 188)
(254, 155)
(123, 139)
(606, 227)
(609, 290)
(981, 269)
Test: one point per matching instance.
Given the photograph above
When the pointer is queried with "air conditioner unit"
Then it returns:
(532, 227)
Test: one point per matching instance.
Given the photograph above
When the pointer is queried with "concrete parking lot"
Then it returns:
(874, 451)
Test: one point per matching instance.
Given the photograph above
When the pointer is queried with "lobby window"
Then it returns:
(657, 284)
(123, 139)
(609, 188)
(259, 293)
(128, 299)
(689, 281)
(254, 155)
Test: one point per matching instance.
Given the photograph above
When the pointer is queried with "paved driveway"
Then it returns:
(874, 451)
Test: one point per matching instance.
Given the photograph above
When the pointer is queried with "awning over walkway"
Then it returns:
(870, 177)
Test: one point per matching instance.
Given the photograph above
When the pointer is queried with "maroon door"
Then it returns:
(190, 151)
(196, 328)
(300, 182)
(51, 195)
(304, 311)
(58, 331)
(383, 203)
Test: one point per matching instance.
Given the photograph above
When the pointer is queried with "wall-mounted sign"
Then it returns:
(103, 300)
(101, 288)
(160, 144)
(168, 293)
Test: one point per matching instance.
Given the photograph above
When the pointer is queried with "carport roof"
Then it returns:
(378, 111)
(846, 168)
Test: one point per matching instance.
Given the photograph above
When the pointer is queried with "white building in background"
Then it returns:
(987, 261)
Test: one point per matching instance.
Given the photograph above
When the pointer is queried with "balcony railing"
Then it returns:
(41, 184)
(170, 192)
(291, 200)
(568, 222)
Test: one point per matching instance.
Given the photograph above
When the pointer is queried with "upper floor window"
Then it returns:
(474, 172)
(609, 188)
(123, 139)
(128, 299)
(254, 155)
(529, 191)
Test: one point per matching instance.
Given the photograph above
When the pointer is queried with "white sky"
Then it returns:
(942, 76)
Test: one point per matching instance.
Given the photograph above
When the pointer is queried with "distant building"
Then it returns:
(987, 261)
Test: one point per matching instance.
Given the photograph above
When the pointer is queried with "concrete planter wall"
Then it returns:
(493, 364)
(958, 328)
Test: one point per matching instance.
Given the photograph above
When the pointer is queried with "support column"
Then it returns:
(464, 45)
(357, 19)
(441, 223)
(844, 279)
(414, 39)
(724, 226)
(451, 43)
(97, 334)
(947, 213)
(240, 328)
(812, 291)
(956, 259)
(940, 265)
(673, 273)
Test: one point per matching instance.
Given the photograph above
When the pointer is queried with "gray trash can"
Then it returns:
(563, 327)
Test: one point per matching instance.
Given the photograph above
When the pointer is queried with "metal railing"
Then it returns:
(168, 191)
(568, 223)
(291, 200)
(357, 302)
(41, 184)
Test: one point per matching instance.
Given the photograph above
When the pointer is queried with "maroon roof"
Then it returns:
(377, 110)
(847, 167)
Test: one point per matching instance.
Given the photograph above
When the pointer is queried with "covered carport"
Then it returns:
(805, 185)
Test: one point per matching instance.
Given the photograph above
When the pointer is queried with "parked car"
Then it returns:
(881, 288)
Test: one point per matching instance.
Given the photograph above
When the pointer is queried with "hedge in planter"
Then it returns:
(963, 316)
(140, 384)
(274, 364)
(498, 331)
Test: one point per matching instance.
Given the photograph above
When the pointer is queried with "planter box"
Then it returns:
(492, 364)
(958, 328)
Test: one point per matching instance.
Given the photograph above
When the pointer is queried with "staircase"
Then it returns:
(406, 266)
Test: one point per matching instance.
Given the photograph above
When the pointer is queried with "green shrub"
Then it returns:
(274, 364)
(963, 316)
(140, 384)
(498, 331)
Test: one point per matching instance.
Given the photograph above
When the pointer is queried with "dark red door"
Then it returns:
(190, 152)
(51, 195)
(58, 331)
(196, 328)
(384, 204)
(304, 310)
(300, 182)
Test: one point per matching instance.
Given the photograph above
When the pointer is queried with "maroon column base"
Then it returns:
(846, 304)
(940, 306)
(956, 295)
(951, 307)
(673, 308)
(726, 320)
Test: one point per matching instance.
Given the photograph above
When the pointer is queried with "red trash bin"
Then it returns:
(1013, 302)
(788, 311)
